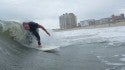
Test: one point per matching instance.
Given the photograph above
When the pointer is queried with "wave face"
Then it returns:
(16, 51)
(16, 32)
(13, 42)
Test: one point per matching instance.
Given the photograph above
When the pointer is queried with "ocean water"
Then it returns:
(86, 49)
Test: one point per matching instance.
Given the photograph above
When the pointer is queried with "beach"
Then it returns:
(116, 24)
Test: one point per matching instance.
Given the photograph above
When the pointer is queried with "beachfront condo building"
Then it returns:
(68, 21)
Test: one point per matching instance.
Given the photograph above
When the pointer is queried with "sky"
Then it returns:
(47, 12)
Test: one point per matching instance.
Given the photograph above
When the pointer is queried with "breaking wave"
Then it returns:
(16, 32)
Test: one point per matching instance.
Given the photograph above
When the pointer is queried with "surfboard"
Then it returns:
(49, 48)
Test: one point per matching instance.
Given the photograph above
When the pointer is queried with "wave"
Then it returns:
(16, 32)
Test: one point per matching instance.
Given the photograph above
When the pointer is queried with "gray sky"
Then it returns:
(47, 12)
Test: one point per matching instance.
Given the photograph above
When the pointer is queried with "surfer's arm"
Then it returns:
(40, 26)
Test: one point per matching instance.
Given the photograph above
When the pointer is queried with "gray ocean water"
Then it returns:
(77, 51)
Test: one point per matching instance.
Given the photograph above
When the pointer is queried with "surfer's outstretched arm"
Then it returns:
(40, 26)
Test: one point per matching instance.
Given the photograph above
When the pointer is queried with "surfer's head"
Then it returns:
(26, 25)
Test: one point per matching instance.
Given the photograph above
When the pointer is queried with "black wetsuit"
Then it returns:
(33, 28)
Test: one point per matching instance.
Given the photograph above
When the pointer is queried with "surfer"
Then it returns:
(32, 27)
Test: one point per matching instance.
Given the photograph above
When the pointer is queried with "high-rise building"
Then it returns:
(68, 21)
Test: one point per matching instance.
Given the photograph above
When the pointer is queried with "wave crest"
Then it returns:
(16, 31)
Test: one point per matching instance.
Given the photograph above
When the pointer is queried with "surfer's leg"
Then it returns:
(37, 36)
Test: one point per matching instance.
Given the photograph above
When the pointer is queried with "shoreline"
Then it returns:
(94, 26)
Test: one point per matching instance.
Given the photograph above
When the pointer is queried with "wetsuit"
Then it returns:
(33, 28)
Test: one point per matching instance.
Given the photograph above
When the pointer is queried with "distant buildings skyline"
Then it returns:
(69, 21)
(108, 20)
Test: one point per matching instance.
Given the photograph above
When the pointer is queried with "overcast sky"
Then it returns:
(47, 12)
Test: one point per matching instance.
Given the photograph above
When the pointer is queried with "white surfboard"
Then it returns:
(49, 48)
